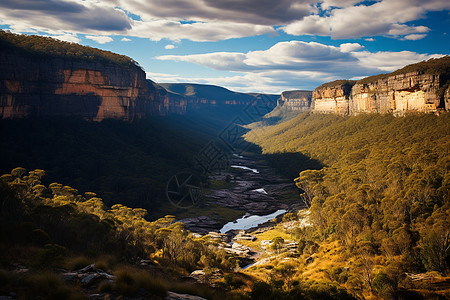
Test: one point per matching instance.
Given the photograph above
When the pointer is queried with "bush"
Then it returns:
(384, 286)
(129, 281)
(51, 255)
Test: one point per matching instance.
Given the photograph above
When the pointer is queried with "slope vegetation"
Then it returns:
(383, 196)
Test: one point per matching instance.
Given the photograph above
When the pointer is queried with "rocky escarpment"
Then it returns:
(203, 95)
(414, 91)
(333, 97)
(296, 100)
(44, 77)
(421, 87)
(164, 102)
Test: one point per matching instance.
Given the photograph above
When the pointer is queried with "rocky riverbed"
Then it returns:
(253, 187)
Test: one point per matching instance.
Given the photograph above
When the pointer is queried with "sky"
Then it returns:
(265, 46)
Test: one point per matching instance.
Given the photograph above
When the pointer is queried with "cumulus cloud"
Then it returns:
(349, 47)
(414, 37)
(67, 15)
(260, 12)
(169, 47)
(100, 39)
(299, 64)
(125, 40)
(197, 31)
(212, 20)
(66, 37)
(388, 61)
(293, 55)
(386, 17)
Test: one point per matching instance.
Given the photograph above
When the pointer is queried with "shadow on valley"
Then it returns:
(291, 164)
(128, 163)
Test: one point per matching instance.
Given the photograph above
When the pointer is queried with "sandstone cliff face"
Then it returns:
(48, 87)
(163, 102)
(395, 93)
(296, 100)
(333, 97)
(398, 94)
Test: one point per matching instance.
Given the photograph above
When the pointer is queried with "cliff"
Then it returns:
(203, 95)
(296, 100)
(333, 97)
(414, 91)
(41, 76)
(421, 87)
(164, 102)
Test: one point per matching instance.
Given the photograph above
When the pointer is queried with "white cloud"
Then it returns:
(213, 20)
(198, 31)
(349, 47)
(386, 17)
(66, 37)
(125, 40)
(293, 55)
(370, 39)
(169, 47)
(100, 39)
(295, 65)
(390, 61)
(414, 37)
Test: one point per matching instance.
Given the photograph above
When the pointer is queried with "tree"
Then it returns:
(277, 244)
(308, 182)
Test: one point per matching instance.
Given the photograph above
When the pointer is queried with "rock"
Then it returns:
(201, 224)
(333, 97)
(86, 269)
(296, 100)
(176, 296)
(419, 88)
(34, 85)
(71, 276)
(244, 236)
(89, 279)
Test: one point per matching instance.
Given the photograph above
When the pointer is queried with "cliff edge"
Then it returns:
(421, 87)
(41, 76)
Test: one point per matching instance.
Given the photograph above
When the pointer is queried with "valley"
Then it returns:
(114, 186)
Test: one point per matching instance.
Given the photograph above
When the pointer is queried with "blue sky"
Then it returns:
(246, 45)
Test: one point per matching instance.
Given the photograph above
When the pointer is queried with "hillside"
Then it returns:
(212, 94)
(381, 201)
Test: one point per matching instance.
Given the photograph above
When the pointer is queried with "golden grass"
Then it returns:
(267, 235)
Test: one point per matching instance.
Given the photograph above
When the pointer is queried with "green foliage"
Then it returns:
(384, 286)
(46, 47)
(383, 192)
(346, 84)
(127, 163)
(277, 244)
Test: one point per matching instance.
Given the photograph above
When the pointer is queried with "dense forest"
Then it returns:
(56, 232)
(127, 163)
(41, 47)
(383, 195)
(377, 188)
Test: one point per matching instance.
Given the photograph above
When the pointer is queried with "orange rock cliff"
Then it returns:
(94, 91)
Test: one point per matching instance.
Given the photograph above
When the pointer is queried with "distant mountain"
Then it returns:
(215, 95)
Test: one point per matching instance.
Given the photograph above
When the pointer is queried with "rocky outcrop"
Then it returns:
(296, 100)
(204, 95)
(421, 87)
(333, 97)
(398, 94)
(164, 102)
(41, 76)
(54, 86)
